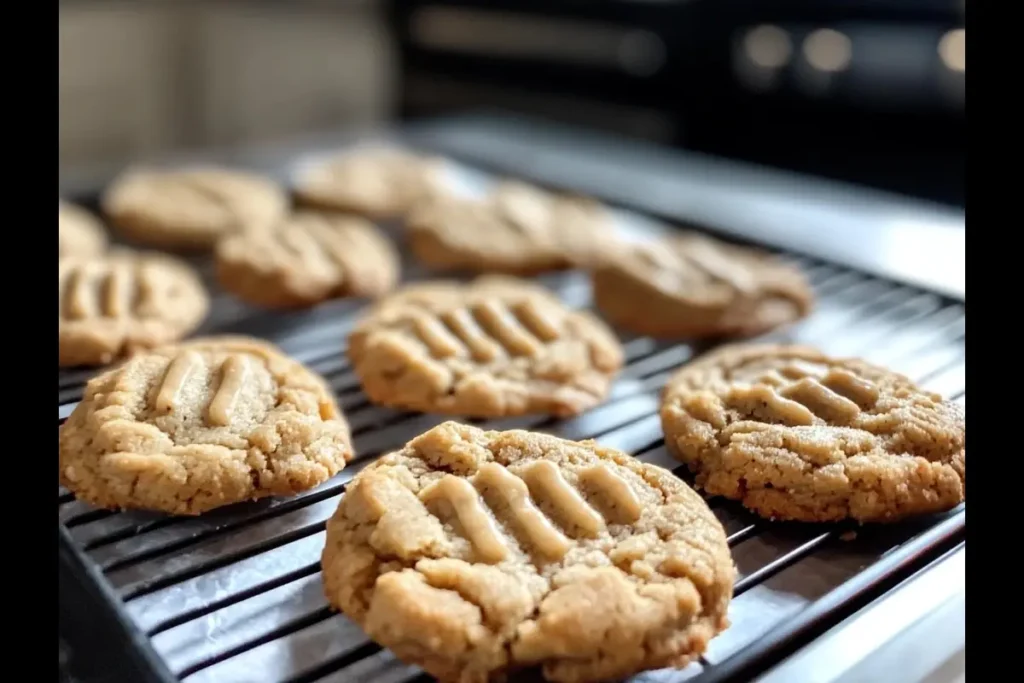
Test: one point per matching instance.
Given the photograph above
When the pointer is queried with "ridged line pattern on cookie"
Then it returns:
(317, 240)
(692, 286)
(238, 198)
(487, 330)
(378, 182)
(307, 258)
(124, 301)
(801, 395)
(701, 263)
(514, 229)
(540, 480)
(471, 350)
(102, 289)
(234, 374)
(191, 207)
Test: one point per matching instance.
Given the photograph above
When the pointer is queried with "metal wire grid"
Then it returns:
(235, 595)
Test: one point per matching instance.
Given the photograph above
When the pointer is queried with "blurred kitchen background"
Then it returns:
(867, 91)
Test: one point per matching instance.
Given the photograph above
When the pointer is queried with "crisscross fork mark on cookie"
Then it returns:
(229, 196)
(201, 188)
(487, 330)
(798, 395)
(692, 286)
(530, 223)
(124, 301)
(102, 289)
(696, 262)
(381, 182)
(514, 229)
(307, 258)
(525, 210)
(516, 490)
(315, 240)
(482, 351)
(234, 373)
(191, 208)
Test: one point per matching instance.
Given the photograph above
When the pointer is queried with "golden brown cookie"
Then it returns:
(378, 183)
(516, 229)
(484, 349)
(191, 208)
(305, 259)
(796, 435)
(437, 295)
(692, 286)
(187, 428)
(473, 553)
(79, 233)
(124, 301)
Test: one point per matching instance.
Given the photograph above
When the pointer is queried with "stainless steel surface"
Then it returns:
(915, 634)
(234, 596)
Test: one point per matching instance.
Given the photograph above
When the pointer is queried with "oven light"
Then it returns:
(768, 47)
(828, 50)
(953, 50)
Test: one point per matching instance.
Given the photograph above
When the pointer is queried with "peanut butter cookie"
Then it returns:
(516, 229)
(484, 349)
(187, 428)
(795, 435)
(305, 259)
(691, 286)
(436, 295)
(378, 183)
(124, 301)
(474, 553)
(192, 208)
(79, 233)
